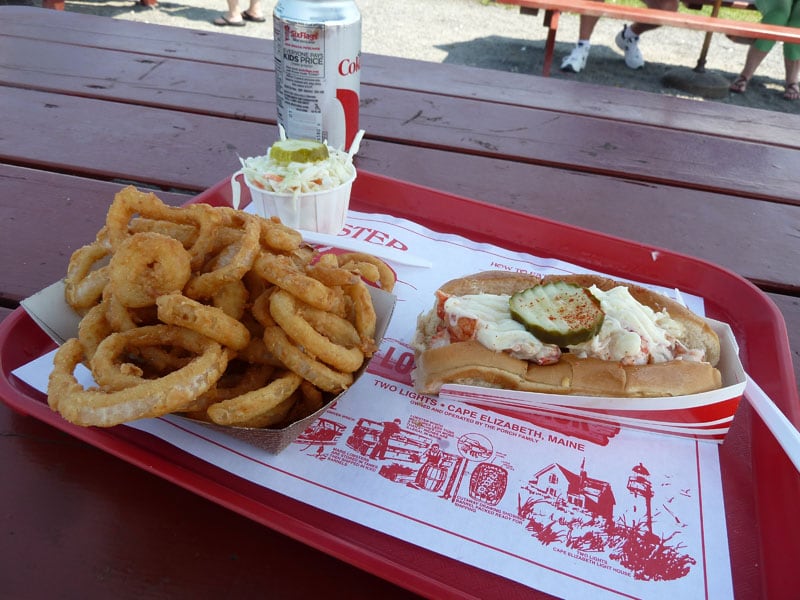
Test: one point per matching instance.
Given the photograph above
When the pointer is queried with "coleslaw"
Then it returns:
(301, 177)
(298, 177)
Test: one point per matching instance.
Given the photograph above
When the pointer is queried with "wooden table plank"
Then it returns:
(231, 91)
(157, 40)
(527, 135)
(586, 144)
(180, 150)
(530, 91)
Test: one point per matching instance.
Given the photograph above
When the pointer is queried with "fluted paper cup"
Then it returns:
(323, 211)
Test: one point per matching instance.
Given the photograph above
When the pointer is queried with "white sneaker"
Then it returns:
(629, 43)
(576, 60)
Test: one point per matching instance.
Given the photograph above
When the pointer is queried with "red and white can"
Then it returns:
(318, 69)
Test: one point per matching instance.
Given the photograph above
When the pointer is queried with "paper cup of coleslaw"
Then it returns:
(313, 196)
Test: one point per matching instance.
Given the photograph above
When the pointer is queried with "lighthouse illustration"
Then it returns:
(639, 485)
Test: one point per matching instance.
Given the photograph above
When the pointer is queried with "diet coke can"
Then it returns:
(318, 69)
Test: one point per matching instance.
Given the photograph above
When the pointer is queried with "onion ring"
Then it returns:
(231, 298)
(130, 201)
(93, 329)
(201, 307)
(281, 271)
(239, 378)
(260, 308)
(296, 360)
(256, 352)
(365, 270)
(147, 265)
(152, 398)
(118, 316)
(113, 374)
(256, 407)
(185, 234)
(278, 237)
(286, 312)
(310, 401)
(364, 315)
(387, 279)
(176, 309)
(83, 285)
(231, 268)
(331, 276)
(337, 329)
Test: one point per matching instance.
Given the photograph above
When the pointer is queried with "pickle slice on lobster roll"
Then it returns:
(597, 337)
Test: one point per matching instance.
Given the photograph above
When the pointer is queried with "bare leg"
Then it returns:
(575, 61)
(792, 73)
(671, 5)
(586, 27)
(254, 10)
(232, 16)
(751, 63)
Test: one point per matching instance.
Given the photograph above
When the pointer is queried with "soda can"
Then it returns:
(318, 69)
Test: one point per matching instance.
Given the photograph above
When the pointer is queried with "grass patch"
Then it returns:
(736, 14)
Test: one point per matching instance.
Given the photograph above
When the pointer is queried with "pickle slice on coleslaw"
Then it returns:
(297, 150)
(558, 313)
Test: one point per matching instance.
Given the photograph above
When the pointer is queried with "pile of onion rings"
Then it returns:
(213, 313)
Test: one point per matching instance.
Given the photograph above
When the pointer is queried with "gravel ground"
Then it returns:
(483, 34)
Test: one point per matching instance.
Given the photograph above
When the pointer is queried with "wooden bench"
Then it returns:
(690, 4)
(699, 22)
(59, 4)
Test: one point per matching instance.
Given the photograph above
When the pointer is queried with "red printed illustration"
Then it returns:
(414, 459)
(488, 483)
(577, 512)
(420, 462)
(321, 433)
(394, 361)
(638, 534)
(597, 432)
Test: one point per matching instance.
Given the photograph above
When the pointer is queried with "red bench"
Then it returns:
(731, 27)
(59, 4)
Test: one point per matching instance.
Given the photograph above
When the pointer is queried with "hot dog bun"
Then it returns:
(469, 362)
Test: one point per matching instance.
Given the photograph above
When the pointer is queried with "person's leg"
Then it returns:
(792, 73)
(254, 12)
(751, 63)
(232, 17)
(773, 12)
(670, 5)
(791, 57)
(575, 61)
(628, 39)
(586, 27)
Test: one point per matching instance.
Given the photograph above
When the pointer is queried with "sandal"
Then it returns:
(224, 21)
(739, 86)
(248, 17)
(792, 91)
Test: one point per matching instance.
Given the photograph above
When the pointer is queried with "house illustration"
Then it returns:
(563, 487)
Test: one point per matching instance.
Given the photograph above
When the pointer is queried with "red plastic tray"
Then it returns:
(761, 485)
